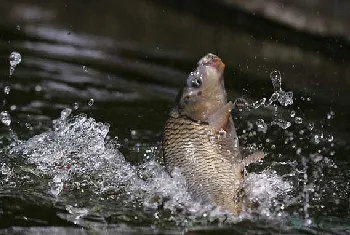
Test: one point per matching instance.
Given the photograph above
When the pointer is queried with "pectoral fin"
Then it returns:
(253, 158)
(220, 119)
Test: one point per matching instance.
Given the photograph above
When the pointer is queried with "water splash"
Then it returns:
(78, 156)
(278, 97)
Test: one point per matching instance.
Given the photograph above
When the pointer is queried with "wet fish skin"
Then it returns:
(200, 138)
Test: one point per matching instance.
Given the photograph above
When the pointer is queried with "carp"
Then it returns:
(201, 140)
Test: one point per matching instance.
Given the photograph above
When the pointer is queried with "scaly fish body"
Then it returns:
(204, 162)
(200, 138)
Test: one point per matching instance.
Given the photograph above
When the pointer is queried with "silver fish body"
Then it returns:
(200, 138)
(205, 160)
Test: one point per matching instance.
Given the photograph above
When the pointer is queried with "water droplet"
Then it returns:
(38, 88)
(258, 103)
(274, 96)
(65, 113)
(28, 125)
(311, 126)
(86, 69)
(91, 102)
(281, 123)
(316, 139)
(298, 152)
(7, 90)
(18, 27)
(75, 106)
(260, 123)
(235, 143)
(273, 146)
(330, 138)
(308, 221)
(285, 98)
(292, 113)
(5, 118)
(15, 58)
(298, 120)
(276, 80)
(330, 115)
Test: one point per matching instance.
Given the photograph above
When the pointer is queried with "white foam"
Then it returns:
(79, 156)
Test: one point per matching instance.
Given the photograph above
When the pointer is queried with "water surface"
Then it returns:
(89, 99)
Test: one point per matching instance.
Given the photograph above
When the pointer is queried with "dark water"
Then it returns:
(118, 68)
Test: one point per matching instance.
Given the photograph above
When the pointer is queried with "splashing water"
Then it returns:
(78, 156)
(15, 58)
(278, 96)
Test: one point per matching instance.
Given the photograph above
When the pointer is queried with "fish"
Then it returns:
(200, 139)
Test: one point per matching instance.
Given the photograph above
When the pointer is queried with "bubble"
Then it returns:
(298, 120)
(13, 107)
(91, 102)
(7, 90)
(276, 80)
(292, 113)
(5, 118)
(86, 69)
(18, 27)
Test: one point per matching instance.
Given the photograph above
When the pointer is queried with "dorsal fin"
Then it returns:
(220, 119)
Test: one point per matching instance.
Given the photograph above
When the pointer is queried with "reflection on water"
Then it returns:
(122, 67)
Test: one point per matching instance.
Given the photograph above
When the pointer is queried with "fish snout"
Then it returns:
(212, 60)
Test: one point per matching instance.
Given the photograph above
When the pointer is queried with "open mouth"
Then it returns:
(212, 60)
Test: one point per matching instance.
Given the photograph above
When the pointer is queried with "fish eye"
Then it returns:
(196, 82)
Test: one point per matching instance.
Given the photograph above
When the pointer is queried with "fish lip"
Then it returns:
(212, 60)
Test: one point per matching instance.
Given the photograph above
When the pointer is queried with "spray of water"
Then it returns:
(79, 156)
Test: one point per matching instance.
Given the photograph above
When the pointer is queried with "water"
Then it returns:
(14, 58)
(85, 109)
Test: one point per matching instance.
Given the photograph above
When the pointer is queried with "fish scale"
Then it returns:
(203, 159)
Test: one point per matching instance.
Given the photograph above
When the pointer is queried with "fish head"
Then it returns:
(204, 91)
